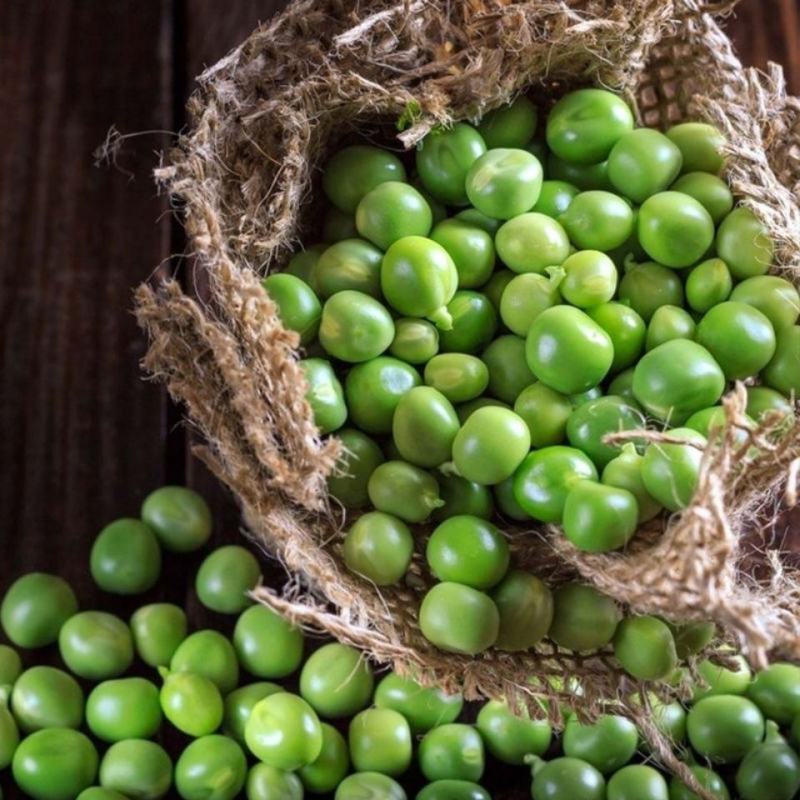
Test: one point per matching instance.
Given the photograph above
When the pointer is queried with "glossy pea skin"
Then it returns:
(452, 752)
(568, 351)
(127, 708)
(266, 644)
(625, 472)
(355, 327)
(526, 296)
(461, 496)
(506, 502)
(96, 645)
(358, 460)
(353, 171)
(583, 619)
(711, 421)
(668, 323)
(545, 412)
(425, 424)
(744, 244)
(567, 777)
(643, 162)
(625, 328)
(298, 307)
(670, 470)
(510, 125)
(607, 744)
(268, 783)
(137, 768)
(210, 654)
(443, 159)
(770, 771)
(468, 550)
(211, 768)
(99, 793)
(301, 264)
(721, 680)
(10, 665)
(525, 605)
(707, 778)
(504, 182)
(776, 691)
(459, 619)
(510, 737)
(125, 557)
(509, 372)
(598, 220)
(710, 191)
(531, 242)
(587, 177)
(54, 764)
(471, 249)
(762, 399)
(362, 785)
(544, 479)
(380, 741)
(336, 681)
(708, 284)
(555, 198)
(338, 225)
(180, 518)
(324, 394)
(452, 790)
(647, 286)
(239, 703)
(191, 702)
(700, 145)
(458, 376)
(599, 518)
(329, 768)
(637, 782)
(423, 707)
(35, 607)
(774, 297)
(722, 728)
(157, 630)
(391, 211)
(584, 125)
(645, 647)
(474, 321)
(783, 371)
(590, 279)
(225, 577)
(415, 340)
(674, 229)
(692, 637)
(378, 547)
(490, 445)
(404, 490)
(349, 264)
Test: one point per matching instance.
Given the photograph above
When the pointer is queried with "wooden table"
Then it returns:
(82, 437)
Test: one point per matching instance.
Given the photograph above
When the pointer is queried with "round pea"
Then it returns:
(647, 286)
(353, 171)
(137, 768)
(692, 637)
(509, 372)
(404, 490)
(585, 177)
(212, 766)
(774, 297)
(380, 741)
(35, 607)
(267, 645)
(225, 577)
(10, 665)
(744, 244)
(471, 249)
(210, 654)
(355, 327)
(474, 321)
(762, 400)
(783, 371)
(545, 412)
(525, 605)
(593, 420)
(583, 619)
(324, 394)
(452, 790)
(127, 708)
(367, 785)
(710, 191)
(126, 557)
(506, 502)
(511, 737)
(721, 680)
(415, 340)
(351, 264)
(329, 768)
(378, 546)
(504, 182)
(708, 284)
(776, 691)
(462, 497)
(670, 471)
(531, 242)
(722, 728)
(425, 423)
(452, 752)
(625, 328)
(525, 297)
(298, 307)
(590, 279)
(46, 697)
(96, 645)
(770, 771)
(459, 619)
(598, 517)
(301, 264)
(625, 472)
(360, 456)
(336, 681)
(675, 230)
(637, 782)
(239, 703)
(567, 778)
(180, 518)
(423, 707)
(510, 125)
(607, 744)
(391, 211)
(555, 198)
(642, 163)
(157, 631)
(645, 647)
(458, 376)
(668, 323)
(191, 702)
(268, 783)
(598, 220)
(707, 778)
(700, 145)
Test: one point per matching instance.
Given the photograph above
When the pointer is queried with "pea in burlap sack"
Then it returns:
(266, 117)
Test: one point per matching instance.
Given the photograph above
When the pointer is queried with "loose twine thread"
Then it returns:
(264, 119)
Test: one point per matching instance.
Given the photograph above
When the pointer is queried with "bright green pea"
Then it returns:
(349, 264)
(642, 163)
(567, 778)
(127, 708)
(126, 558)
(225, 577)
(708, 284)
(668, 323)
(452, 790)
(707, 778)
(711, 421)
(637, 782)
(180, 518)
(10, 665)
(700, 145)
(776, 691)
(471, 249)
(267, 645)
(545, 412)
(423, 707)
(490, 445)
(587, 177)
(525, 605)
(96, 645)
(211, 768)
(268, 783)
(444, 158)
(722, 728)
(584, 125)
(744, 243)
(474, 323)
(336, 681)
(625, 328)
(770, 771)
(239, 703)
(373, 390)
(645, 647)
(477, 218)
(329, 768)
(598, 518)
(210, 654)
(298, 307)
(324, 394)
(607, 744)
(583, 619)
(301, 264)
(762, 399)
(54, 764)
(774, 297)
(590, 422)
(355, 327)
(710, 191)
(157, 631)
(99, 793)
(191, 702)
(675, 230)
(622, 385)
(360, 456)
(531, 243)
(425, 424)
(354, 171)
(458, 619)
(462, 497)
(783, 371)
(404, 490)
(458, 376)
(509, 372)
(511, 737)
(506, 502)
(379, 547)
(590, 279)
(415, 340)
(555, 198)
(671, 471)
(452, 752)
(509, 125)
(9, 736)
(721, 680)
(380, 741)
(392, 211)
(504, 182)
(598, 220)
(137, 768)
(35, 607)
(648, 286)
(363, 785)
(625, 472)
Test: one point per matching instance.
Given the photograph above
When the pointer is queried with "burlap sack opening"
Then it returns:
(266, 116)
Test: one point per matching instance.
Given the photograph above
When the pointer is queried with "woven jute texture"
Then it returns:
(263, 121)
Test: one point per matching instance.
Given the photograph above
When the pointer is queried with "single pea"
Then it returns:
(710, 191)
(324, 394)
(555, 198)
(212, 766)
(598, 220)
(645, 648)
(584, 125)
(776, 691)
(774, 297)
(647, 286)
(10, 665)
(404, 490)
(509, 372)
(379, 547)
(423, 707)
(458, 376)
(722, 680)
(525, 605)
(284, 731)
(706, 777)
(625, 328)
(471, 249)
(191, 702)
(587, 177)
(351, 264)
(461, 496)
(583, 618)
(506, 502)
(359, 458)
(298, 307)
(452, 752)
(35, 607)
(54, 764)
(459, 619)
(622, 385)
(625, 472)
(566, 778)
(670, 471)
(269, 783)
(762, 400)
(443, 159)
(643, 162)
(301, 264)
(225, 577)
(466, 410)
(362, 785)
(700, 145)
(355, 327)
(126, 557)
(637, 782)
(531, 242)
(267, 645)
(337, 226)
(770, 771)
(545, 412)
(708, 284)
(510, 125)
(127, 708)
(239, 703)
(598, 517)
(692, 637)
(607, 744)
(99, 793)
(675, 230)
(157, 631)
(415, 340)
(590, 279)
(504, 182)
(668, 323)
(474, 323)
(96, 645)
(210, 654)
(477, 218)
(137, 768)
(354, 171)
(744, 243)
(330, 767)
(380, 741)
(509, 736)
(336, 681)
(783, 371)
(711, 421)
(425, 423)
(452, 790)
(676, 379)
(490, 445)
(722, 728)
(544, 479)
(180, 518)
(392, 211)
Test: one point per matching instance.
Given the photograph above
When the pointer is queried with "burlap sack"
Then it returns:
(265, 118)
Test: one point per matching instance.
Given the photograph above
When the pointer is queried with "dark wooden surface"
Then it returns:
(82, 437)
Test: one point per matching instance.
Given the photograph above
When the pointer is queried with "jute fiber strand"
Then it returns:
(263, 121)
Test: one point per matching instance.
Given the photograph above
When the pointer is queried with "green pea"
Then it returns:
(762, 400)
(379, 547)
(477, 218)
(668, 323)
(211, 767)
(9, 736)
(707, 778)
(359, 458)
(180, 518)
(607, 744)
(301, 264)
(555, 198)
(298, 307)
(284, 731)
(373, 390)
(645, 648)
(510, 125)
(471, 249)
(776, 691)
(567, 778)
(225, 577)
(531, 242)
(425, 424)
(462, 497)
(525, 605)
(354, 171)
(443, 158)
(511, 737)
(239, 703)
(96, 645)
(642, 163)
(625, 472)
(645, 287)
(744, 243)
(355, 327)
(466, 410)
(577, 400)
(10, 665)
(458, 619)
(336, 681)
(457, 376)
(509, 372)
(506, 502)
(708, 284)
(774, 297)
(380, 741)
(545, 412)
(598, 517)
(783, 371)
(267, 645)
(496, 285)
(452, 752)
(700, 145)
(711, 421)
(329, 768)
(770, 771)
(670, 471)
(590, 279)
(268, 783)
(637, 782)
(127, 708)
(415, 340)
(583, 619)
(404, 490)
(675, 230)
(710, 191)
(452, 790)
(423, 707)
(586, 177)
(545, 477)
(351, 264)
(598, 220)
(490, 445)
(157, 631)
(622, 385)
(54, 764)
(722, 728)
(367, 785)
(99, 793)
(210, 654)
(126, 558)
(137, 768)
(584, 125)
(625, 328)
(692, 637)
(474, 323)
(191, 702)
(721, 680)
(392, 211)
(35, 607)
(324, 394)
(504, 182)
